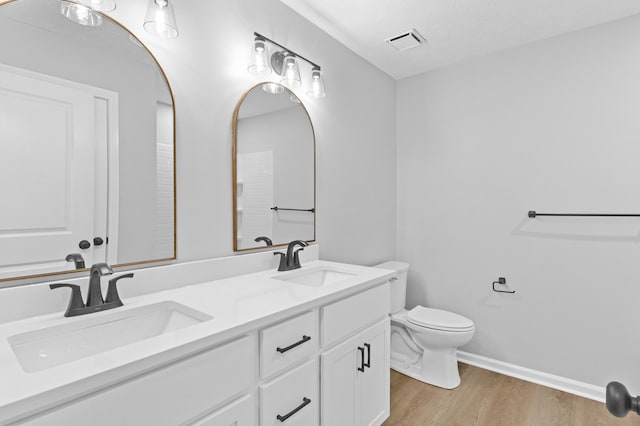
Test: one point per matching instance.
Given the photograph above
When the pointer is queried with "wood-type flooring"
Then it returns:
(485, 398)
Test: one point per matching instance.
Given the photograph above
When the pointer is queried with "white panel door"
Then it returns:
(47, 173)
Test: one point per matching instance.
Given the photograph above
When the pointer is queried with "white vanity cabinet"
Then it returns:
(326, 363)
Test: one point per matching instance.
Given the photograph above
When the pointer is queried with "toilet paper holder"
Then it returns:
(501, 281)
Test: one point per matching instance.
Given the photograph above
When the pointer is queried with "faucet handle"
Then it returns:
(301, 243)
(283, 261)
(75, 302)
(296, 257)
(77, 259)
(112, 291)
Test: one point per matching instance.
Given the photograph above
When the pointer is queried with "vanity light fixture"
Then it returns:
(160, 20)
(284, 63)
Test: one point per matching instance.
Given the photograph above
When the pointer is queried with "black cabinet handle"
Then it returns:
(368, 363)
(361, 368)
(298, 343)
(305, 402)
(84, 244)
(97, 241)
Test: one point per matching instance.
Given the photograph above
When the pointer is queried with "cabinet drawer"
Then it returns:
(287, 343)
(239, 413)
(168, 396)
(295, 395)
(349, 315)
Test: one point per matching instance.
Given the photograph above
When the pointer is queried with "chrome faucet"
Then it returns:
(291, 260)
(95, 302)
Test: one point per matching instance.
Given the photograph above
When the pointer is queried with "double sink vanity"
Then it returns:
(224, 341)
(303, 347)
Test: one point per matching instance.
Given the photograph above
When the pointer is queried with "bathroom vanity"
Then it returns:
(304, 347)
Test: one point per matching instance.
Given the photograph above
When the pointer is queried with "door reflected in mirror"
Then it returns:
(273, 169)
(87, 145)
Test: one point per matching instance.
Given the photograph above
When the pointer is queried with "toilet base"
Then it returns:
(437, 369)
(437, 366)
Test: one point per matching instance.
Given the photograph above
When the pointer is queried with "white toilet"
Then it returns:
(424, 340)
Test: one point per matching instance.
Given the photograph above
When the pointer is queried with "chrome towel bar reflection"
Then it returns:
(533, 213)
(276, 208)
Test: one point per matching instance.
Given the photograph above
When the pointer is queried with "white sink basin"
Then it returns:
(316, 277)
(82, 337)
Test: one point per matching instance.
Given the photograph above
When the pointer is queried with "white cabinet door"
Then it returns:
(375, 379)
(338, 384)
(355, 379)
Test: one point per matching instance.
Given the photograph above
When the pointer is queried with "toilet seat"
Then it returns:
(438, 319)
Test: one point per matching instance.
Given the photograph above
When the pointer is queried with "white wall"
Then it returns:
(355, 126)
(552, 126)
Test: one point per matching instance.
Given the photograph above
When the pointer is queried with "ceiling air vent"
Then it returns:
(406, 40)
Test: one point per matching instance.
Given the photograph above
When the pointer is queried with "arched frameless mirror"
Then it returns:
(87, 145)
(273, 169)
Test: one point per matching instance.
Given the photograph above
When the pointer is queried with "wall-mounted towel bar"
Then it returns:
(294, 210)
(533, 213)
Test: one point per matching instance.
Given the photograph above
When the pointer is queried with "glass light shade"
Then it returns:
(80, 14)
(317, 84)
(291, 72)
(260, 58)
(272, 88)
(160, 19)
(99, 5)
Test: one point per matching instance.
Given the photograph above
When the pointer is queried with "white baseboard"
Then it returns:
(575, 387)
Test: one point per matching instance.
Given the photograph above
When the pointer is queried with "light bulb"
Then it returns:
(260, 64)
(317, 84)
(160, 19)
(290, 71)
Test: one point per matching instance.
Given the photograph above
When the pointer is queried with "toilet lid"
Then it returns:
(438, 319)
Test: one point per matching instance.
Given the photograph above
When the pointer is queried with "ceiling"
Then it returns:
(455, 30)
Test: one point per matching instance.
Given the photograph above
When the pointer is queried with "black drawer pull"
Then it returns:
(298, 343)
(368, 363)
(361, 368)
(305, 402)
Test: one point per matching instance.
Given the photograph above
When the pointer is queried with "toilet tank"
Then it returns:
(398, 295)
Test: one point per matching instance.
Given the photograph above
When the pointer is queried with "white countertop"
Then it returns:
(237, 305)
